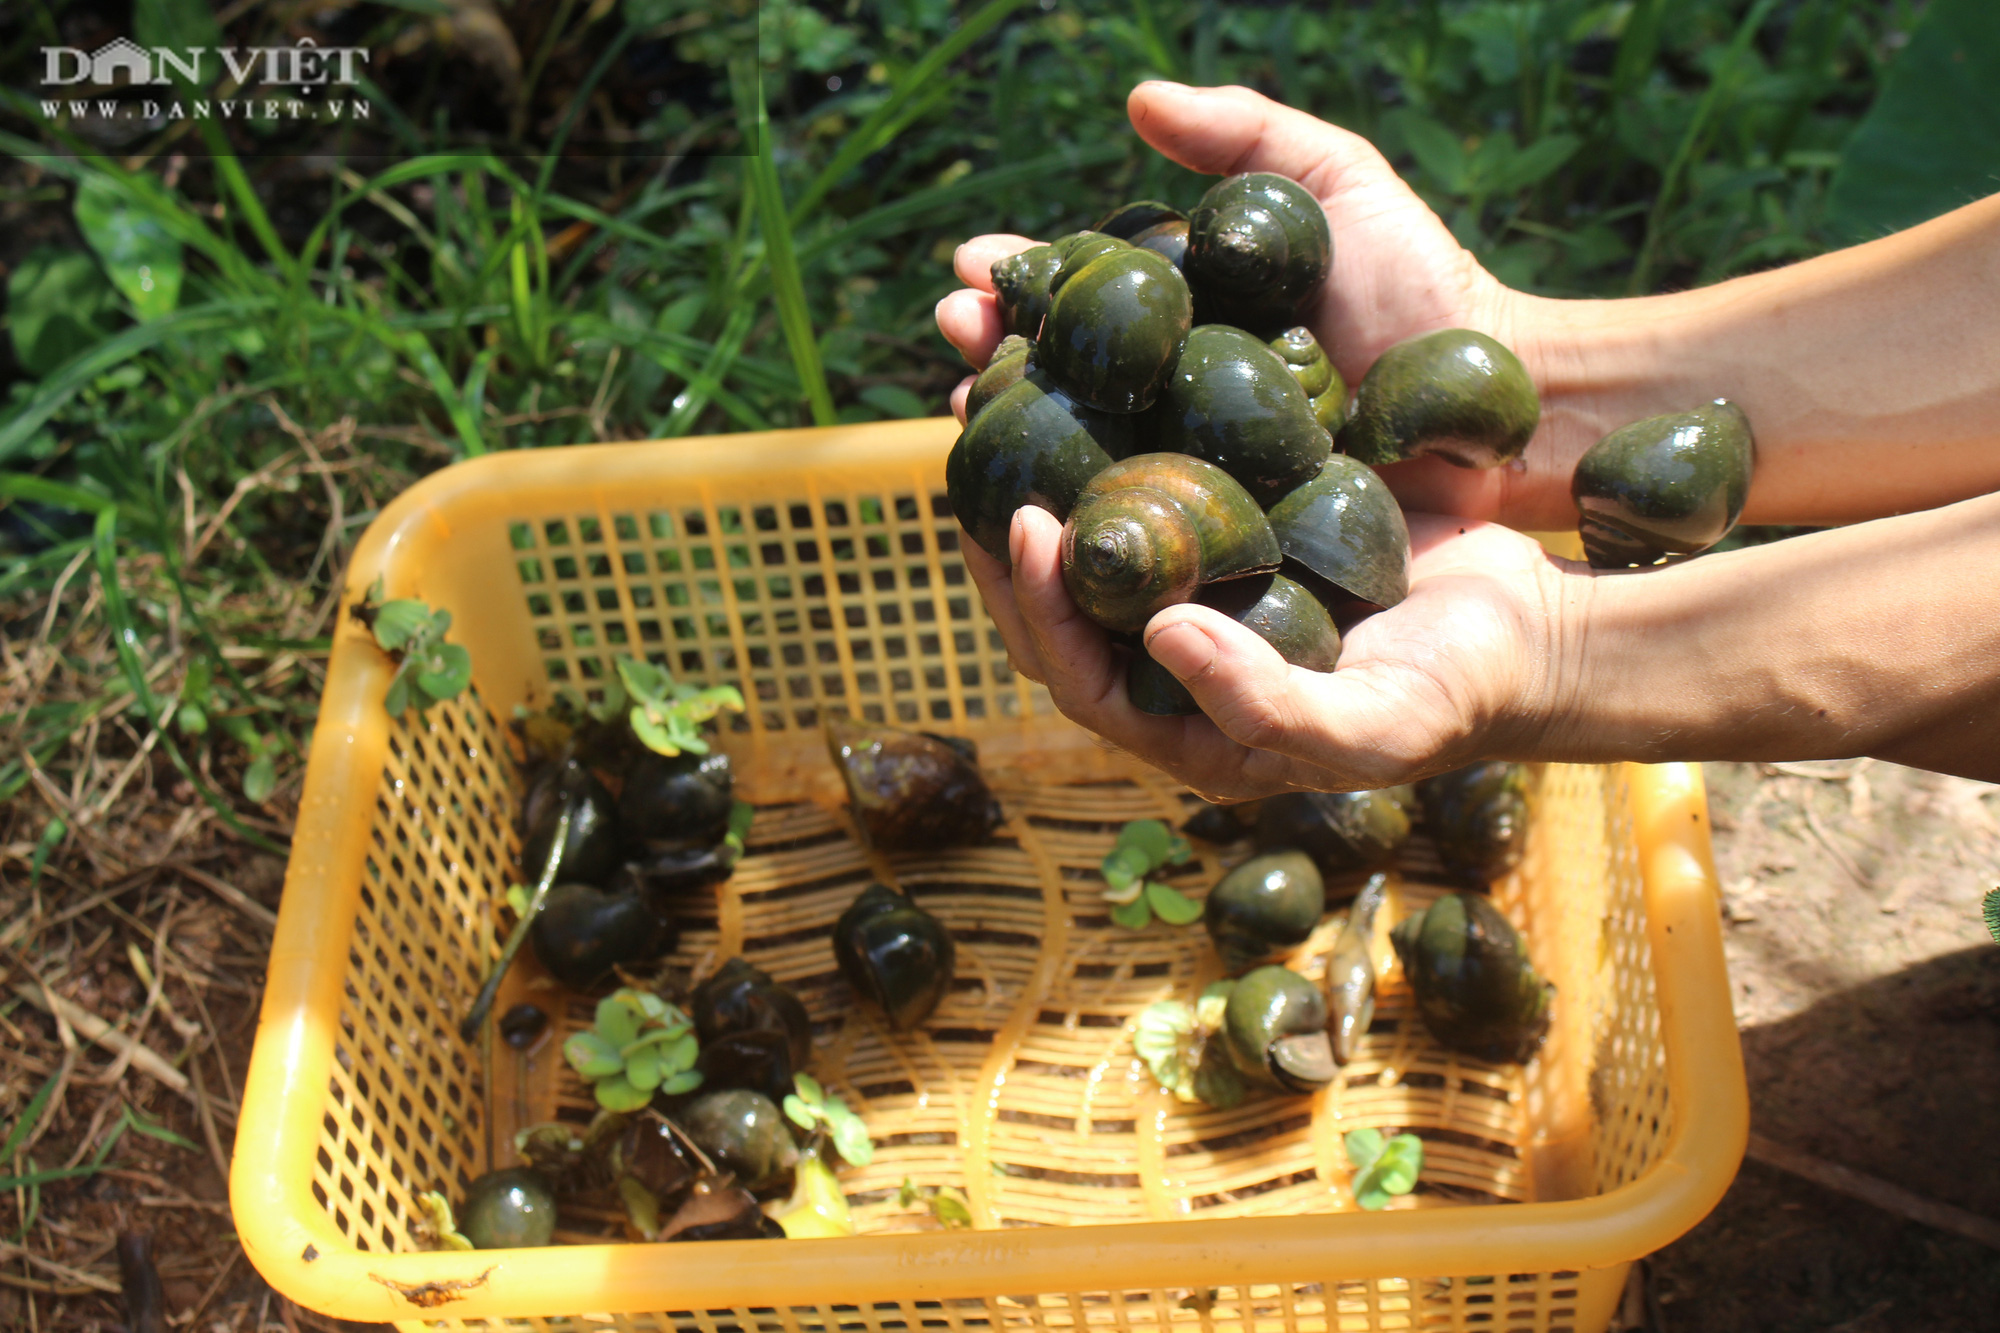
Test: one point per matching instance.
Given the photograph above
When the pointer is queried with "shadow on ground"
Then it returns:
(1898, 1077)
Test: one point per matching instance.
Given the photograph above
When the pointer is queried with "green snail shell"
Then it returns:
(1342, 831)
(1315, 372)
(1021, 289)
(1149, 531)
(1115, 329)
(1281, 612)
(1031, 445)
(1350, 971)
(1274, 1028)
(1258, 251)
(1665, 487)
(1478, 817)
(1475, 989)
(744, 1133)
(509, 1209)
(1128, 220)
(1268, 904)
(1346, 527)
(895, 954)
(1455, 393)
(1009, 363)
(1233, 401)
(1166, 238)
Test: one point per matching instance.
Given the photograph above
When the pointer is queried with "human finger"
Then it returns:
(961, 392)
(995, 582)
(1223, 131)
(970, 321)
(973, 261)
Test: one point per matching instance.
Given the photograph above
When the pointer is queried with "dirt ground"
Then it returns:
(1867, 993)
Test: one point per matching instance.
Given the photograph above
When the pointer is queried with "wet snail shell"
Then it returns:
(1114, 329)
(1667, 487)
(1021, 289)
(1169, 239)
(1129, 220)
(744, 1133)
(583, 932)
(1220, 824)
(909, 791)
(1009, 363)
(1478, 817)
(1474, 986)
(1268, 904)
(1149, 531)
(895, 954)
(1258, 251)
(1455, 393)
(1031, 444)
(1315, 372)
(592, 851)
(742, 997)
(1274, 1028)
(1345, 526)
(1281, 612)
(505, 1210)
(1350, 971)
(1343, 832)
(680, 800)
(1232, 401)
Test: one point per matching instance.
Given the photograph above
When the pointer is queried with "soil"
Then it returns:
(1868, 995)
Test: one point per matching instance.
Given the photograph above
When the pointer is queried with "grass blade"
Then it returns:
(787, 287)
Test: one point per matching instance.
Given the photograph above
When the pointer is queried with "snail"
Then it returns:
(1345, 527)
(755, 1033)
(1029, 444)
(509, 1209)
(1350, 971)
(1131, 220)
(1023, 282)
(1274, 1028)
(1115, 328)
(1233, 401)
(1258, 251)
(1343, 832)
(1478, 817)
(683, 800)
(1009, 362)
(1476, 990)
(1268, 904)
(1664, 488)
(1314, 371)
(911, 791)
(895, 954)
(582, 932)
(1220, 824)
(1283, 614)
(592, 850)
(1454, 393)
(744, 1133)
(1148, 531)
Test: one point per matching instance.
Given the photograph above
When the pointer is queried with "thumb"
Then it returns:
(1223, 131)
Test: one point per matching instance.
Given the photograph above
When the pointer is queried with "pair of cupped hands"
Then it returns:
(1470, 665)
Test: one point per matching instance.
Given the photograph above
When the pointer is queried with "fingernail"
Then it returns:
(1182, 649)
(1017, 538)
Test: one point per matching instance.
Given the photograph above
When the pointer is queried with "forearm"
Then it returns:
(1871, 376)
(1880, 639)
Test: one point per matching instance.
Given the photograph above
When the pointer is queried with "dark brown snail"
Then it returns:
(911, 792)
(583, 932)
(1147, 532)
(1475, 988)
(894, 954)
(592, 851)
(755, 1033)
(1129, 220)
(1664, 488)
(1478, 817)
(1343, 832)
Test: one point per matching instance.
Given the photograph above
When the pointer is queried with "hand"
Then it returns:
(1397, 271)
(1469, 666)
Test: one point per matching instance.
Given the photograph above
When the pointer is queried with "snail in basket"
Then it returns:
(912, 791)
(1268, 904)
(1343, 832)
(1475, 988)
(755, 1033)
(1478, 817)
(895, 954)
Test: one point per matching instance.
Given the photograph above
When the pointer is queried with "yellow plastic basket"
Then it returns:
(819, 570)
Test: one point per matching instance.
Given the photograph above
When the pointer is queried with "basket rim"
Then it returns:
(298, 1249)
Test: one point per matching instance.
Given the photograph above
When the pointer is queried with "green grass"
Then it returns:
(310, 341)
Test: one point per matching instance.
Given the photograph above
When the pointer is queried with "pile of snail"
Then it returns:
(1467, 967)
(1158, 390)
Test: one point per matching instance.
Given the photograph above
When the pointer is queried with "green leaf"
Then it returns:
(1150, 838)
(1535, 163)
(788, 290)
(140, 255)
(1180, 851)
(642, 1068)
(1926, 146)
(799, 1113)
(643, 680)
(398, 697)
(1135, 915)
(1123, 866)
(679, 1053)
(616, 1094)
(809, 1090)
(685, 1081)
(651, 734)
(592, 1056)
(1393, 1170)
(655, 1008)
(618, 1019)
(893, 400)
(518, 899)
(1363, 1147)
(948, 1206)
(850, 1139)
(191, 720)
(1438, 150)
(1216, 1080)
(446, 672)
(642, 1206)
(1172, 906)
(259, 779)
(397, 622)
(59, 306)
